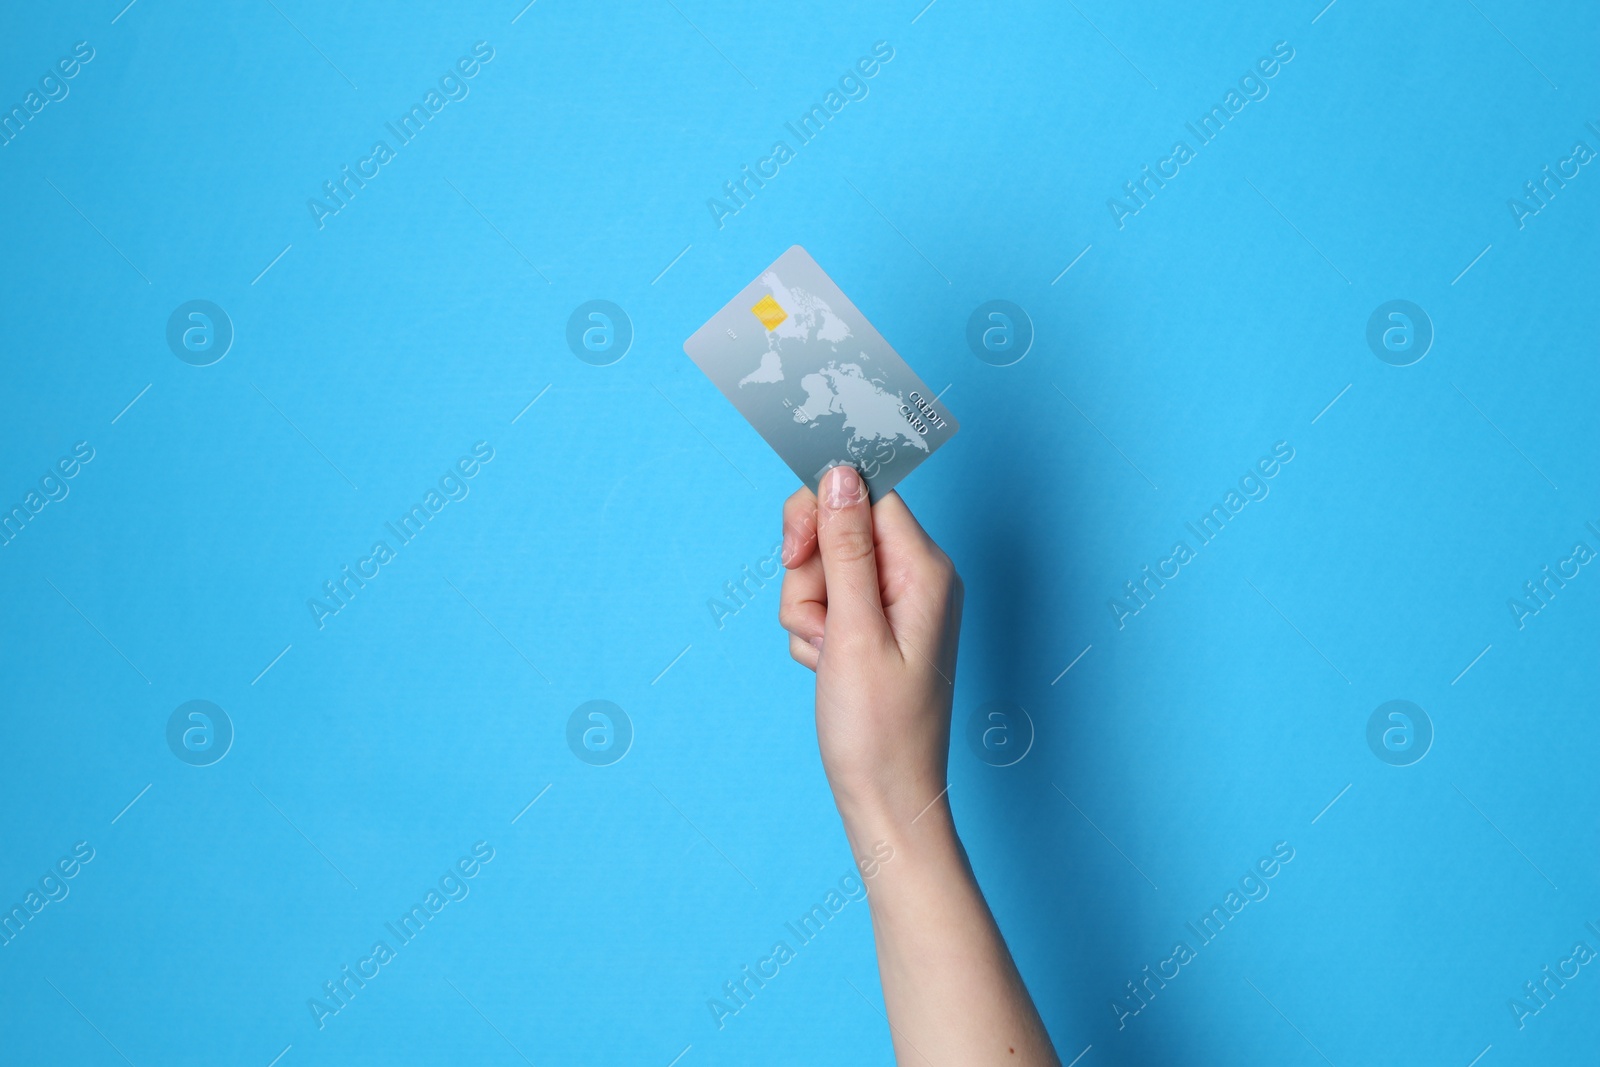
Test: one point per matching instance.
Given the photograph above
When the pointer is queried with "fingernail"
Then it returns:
(844, 486)
(815, 642)
(788, 547)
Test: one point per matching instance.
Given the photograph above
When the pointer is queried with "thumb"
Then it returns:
(849, 562)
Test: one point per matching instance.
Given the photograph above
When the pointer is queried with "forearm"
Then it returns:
(952, 991)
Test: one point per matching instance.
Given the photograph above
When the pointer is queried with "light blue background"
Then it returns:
(423, 718)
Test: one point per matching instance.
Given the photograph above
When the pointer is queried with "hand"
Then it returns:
(874, 607)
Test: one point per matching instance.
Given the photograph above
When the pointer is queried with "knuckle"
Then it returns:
(801, 653)
(936, 567)
(798, 515)
(849, 542)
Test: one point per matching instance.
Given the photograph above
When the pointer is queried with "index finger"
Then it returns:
(799, 527)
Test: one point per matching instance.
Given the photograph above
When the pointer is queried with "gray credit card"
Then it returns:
(814, 378)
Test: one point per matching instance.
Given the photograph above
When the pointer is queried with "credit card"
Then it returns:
(817, 381)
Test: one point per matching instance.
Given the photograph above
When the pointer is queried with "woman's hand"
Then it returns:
(874, 607)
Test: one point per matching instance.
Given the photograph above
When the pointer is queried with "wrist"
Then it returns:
(914, 827)
(890, 801)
